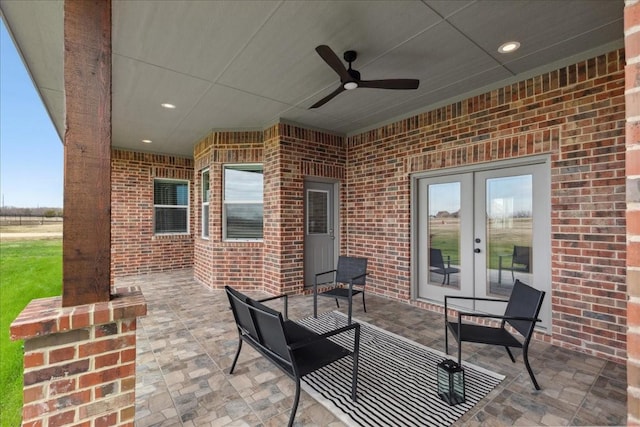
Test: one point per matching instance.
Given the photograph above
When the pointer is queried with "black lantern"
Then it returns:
(450, 382)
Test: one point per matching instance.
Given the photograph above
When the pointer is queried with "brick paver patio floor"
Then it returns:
(187, 341)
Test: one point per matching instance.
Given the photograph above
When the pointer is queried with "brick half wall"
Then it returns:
(80, 362)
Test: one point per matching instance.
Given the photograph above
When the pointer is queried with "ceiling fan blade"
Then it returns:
(328, 97)
(333, 61)
(390, 84)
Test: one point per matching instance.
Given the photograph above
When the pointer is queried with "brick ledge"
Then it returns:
(45, 316)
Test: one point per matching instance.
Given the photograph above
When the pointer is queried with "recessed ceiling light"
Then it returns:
(169, 106)
(509, 47)
(147, 141)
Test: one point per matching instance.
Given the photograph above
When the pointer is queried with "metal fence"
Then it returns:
(29, 220)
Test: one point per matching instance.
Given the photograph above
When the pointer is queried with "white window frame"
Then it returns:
(239, 166)
(206, 198)
(186, 207)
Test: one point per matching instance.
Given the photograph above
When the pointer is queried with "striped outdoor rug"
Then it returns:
(396, 380)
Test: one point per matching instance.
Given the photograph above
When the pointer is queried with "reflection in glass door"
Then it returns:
(509, 232)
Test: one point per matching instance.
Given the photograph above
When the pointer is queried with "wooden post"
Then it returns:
(87, 152)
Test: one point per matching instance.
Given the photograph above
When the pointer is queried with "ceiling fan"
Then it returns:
(350, 78)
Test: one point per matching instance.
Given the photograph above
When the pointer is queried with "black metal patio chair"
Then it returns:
(347, 280)
(521, 314)
(438, 266)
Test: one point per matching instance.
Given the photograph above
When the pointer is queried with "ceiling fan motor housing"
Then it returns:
(350, 56)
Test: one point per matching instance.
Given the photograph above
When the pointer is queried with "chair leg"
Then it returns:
(446, 336)
(315, 300)
(525, 356)
(296, 399)
(354, 373)
(364, 304)
(337, 303)
(350, 303)
(444, 279)
(235, 359)
(510, 354)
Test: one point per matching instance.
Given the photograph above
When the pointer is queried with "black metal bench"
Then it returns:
(294, 349)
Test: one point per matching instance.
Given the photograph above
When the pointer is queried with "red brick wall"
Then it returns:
(218, 263)
(134, 247)
(576, 115)
(632, 74)
(288, 154)
(291, 154)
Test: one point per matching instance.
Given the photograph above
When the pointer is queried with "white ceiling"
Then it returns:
(238, 65)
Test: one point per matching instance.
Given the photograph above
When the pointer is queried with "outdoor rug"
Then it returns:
(396, 380)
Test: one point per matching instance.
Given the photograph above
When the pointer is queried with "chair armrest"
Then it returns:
(357, 277)
(497, 316)
(315, 279)
(447, 297)
(286, 303)
(321, 337)
(325, 272)
(474, 298)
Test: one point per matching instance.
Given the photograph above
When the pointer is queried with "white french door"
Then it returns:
(478, 231)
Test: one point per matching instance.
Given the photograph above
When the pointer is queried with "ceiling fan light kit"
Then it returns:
(350, 78)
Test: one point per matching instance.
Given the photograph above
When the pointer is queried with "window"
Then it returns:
(171, 206)
(242, 202)
(205, 203)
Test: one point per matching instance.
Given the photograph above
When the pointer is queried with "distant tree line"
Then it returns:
(40, 212)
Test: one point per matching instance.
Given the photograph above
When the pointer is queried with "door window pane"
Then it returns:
(444, 233)
(509, 232)
(317, 212)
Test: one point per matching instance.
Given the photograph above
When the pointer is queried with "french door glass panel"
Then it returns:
(509, 232)
(443, 211)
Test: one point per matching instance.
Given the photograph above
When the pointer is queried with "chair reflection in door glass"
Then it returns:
(437, 265)
(520, 262)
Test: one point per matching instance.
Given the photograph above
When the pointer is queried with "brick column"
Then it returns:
(80, 362)
(632, 95)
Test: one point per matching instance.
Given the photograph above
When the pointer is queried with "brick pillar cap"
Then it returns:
(45, 316)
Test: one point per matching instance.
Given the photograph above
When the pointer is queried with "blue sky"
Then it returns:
(31, 152)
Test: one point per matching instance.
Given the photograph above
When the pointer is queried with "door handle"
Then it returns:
(476, 250)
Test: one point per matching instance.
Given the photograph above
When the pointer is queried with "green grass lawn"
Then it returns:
(28, 269)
